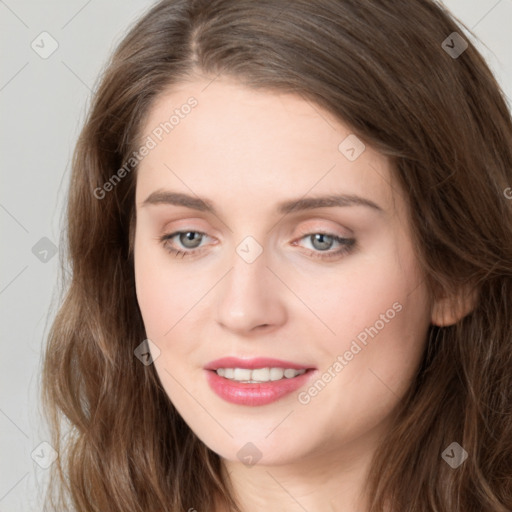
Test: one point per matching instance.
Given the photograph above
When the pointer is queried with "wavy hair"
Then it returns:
(383, 67)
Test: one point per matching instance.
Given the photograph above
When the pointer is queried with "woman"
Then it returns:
(291, 253)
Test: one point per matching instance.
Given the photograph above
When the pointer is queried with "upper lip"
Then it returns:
(254, 362)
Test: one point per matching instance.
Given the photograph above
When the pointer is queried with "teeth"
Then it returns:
(258, 374)
(242, 374)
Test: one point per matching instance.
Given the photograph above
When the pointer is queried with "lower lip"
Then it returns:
(255, 394)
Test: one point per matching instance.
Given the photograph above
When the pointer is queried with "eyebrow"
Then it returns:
(305, 203)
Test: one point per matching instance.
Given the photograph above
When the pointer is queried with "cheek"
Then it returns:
(395, 352)
(354, 298)
(170, 295)
(161, 294)
(377, 313)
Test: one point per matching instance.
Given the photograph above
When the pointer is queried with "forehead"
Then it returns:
(221, 139)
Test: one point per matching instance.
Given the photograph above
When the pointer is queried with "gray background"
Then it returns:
(43, 102)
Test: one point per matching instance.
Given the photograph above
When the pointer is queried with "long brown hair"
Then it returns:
(383, 67)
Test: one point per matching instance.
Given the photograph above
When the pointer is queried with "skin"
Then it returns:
(245, 151)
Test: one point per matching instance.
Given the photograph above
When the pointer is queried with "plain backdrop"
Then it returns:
(43, 100)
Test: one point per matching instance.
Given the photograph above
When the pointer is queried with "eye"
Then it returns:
(321, 243)
(188, 239)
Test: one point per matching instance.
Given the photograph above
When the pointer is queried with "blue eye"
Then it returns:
(322, 243)
(185, 238)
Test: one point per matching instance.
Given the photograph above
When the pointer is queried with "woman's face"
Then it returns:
(270, 268)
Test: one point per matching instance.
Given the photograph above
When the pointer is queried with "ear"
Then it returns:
(448, 310)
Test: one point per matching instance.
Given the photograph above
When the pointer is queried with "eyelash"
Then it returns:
(347, 245)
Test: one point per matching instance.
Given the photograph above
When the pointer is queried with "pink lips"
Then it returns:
(254, 394)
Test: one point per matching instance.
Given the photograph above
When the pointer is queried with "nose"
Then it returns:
(250, 298)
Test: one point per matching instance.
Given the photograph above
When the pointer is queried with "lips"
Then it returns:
(253, 393)
(253, 363)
